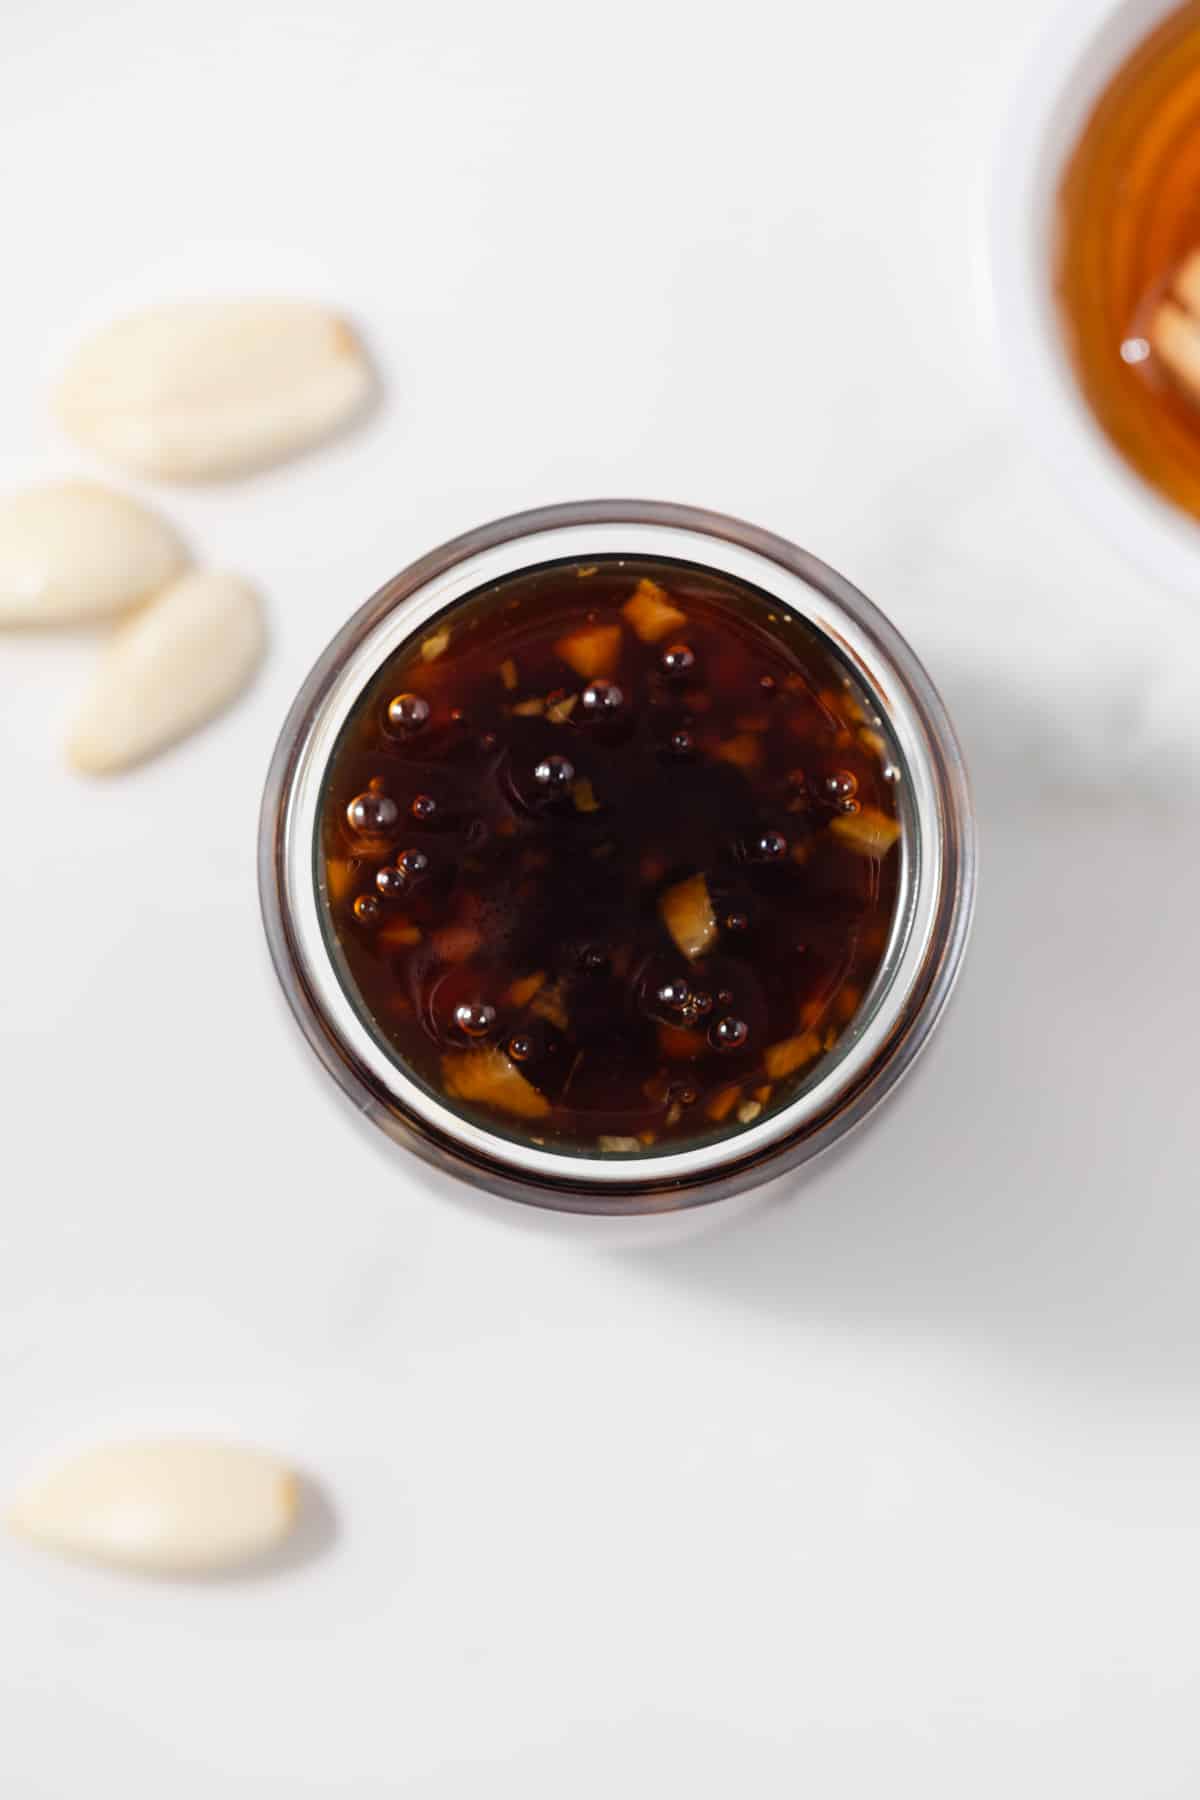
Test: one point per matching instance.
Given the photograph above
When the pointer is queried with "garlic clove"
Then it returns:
(74, 552)
(196, 391)
(173, 1507)
(168, 670)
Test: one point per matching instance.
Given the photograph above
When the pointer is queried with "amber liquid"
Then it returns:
(1129, 214)
(606, 876)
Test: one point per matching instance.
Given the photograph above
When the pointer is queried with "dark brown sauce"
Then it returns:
(610, 854)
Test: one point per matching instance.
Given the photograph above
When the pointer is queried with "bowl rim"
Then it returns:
(1079, 51)
(939, 878)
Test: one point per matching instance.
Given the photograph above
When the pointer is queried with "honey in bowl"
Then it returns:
(609, 855)
(1127, 258)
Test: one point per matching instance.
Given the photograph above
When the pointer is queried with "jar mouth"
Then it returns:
(929, 923)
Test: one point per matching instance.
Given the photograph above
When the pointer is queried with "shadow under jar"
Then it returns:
(617, 856)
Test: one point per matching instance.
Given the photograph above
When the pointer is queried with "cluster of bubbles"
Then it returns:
(840, 787)
(690, 1006)
(374, 815)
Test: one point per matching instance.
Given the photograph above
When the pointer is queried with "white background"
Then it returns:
(883, 1481)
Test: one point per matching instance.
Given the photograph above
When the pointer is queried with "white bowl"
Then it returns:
(1085, 45)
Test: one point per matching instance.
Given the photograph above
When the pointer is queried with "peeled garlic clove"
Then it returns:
(168, 670)
(199, 390)
(174, 1507)
(73, 551)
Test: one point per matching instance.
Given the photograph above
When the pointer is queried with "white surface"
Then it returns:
(886, 1484)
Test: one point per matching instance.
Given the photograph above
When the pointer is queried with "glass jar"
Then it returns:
(929, 928)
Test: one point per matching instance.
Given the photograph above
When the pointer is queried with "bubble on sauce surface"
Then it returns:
(554, 773)
(729, 1033)
(391, 882)
(475, 1018)
(408, 712)
(372, 813)
(677, 660)
(600, 698)
(840, 784)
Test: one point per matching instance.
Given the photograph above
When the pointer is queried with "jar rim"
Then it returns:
(932, 916)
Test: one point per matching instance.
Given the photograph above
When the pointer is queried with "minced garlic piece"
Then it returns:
(790, 1054)
(687, 912)
(491, 1078)
(592, 652)
(651, 614)
(868, 832)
